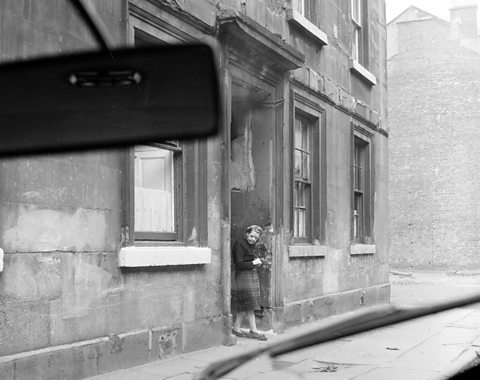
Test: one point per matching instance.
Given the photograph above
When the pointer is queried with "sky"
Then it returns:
(438, 8)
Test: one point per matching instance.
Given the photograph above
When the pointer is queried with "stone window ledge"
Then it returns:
(134, 257)
(307, 251)
(363, 249)
(296, 18)
(360, 70)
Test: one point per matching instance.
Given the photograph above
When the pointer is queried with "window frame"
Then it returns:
(360, 45)
(307, 182)
(315, 116)
(364, 139)
(178, 195)
(191, 203)
(307, 8)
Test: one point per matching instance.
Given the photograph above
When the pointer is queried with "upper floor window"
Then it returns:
(360, 31)
(362, 189)
(305, 7)
(303, 14)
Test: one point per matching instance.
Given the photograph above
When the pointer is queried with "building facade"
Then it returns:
(121, 256)
(433, 70)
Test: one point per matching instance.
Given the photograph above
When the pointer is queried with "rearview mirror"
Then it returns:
(104, 99)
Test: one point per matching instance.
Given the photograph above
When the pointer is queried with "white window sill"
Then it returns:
(307, 251)
(296, 18)
(363, 249)
(132, 257)
(356, 67)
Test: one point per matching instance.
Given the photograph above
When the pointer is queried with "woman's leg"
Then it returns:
(238, 320)
(251, 321)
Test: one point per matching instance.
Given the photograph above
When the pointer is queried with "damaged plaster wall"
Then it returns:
(61, 282)
(251, 158)
(59, 222)
(242, 169)
(38, 230)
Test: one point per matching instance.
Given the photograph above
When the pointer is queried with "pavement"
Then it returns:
(431, 347)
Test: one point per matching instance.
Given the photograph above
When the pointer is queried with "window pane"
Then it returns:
(308, 9)
(301, 209)
(305, 138)
(295, 223)
(298, 134)
(355, 226)
(295, 196)
(357, 11)
(358, 216)
(302, 149)
(301, 224)
(306, 166)
(299, 6)
(357, 173)
(154, 185)
(300, 194)
(297, 165)
(358, 158)
(356, 44)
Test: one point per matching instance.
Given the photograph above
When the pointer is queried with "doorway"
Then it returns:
(251, 179)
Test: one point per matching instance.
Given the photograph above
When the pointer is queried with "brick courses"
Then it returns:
(434, 149)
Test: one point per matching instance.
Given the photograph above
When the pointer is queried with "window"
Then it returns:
(165, 194)
(302, 14)
(308, 172)
(164, 189)
(360, 36)
(306, 8)
(157, 190)
(302, 189)
(362, 180)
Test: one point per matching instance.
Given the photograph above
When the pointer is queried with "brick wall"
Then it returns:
(434, 114)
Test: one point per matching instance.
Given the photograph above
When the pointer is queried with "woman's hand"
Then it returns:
(257, 261)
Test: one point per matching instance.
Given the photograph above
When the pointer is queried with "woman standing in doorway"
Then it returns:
(247, 283)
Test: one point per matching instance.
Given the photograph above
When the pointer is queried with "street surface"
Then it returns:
(425, 348)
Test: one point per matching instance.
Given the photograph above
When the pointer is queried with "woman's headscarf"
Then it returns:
(255, 228)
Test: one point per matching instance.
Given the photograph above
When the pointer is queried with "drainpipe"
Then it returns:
(230, 339)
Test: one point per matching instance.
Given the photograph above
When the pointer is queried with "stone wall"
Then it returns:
(434, 113)
(68, 310)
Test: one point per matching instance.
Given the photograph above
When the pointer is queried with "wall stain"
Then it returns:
(39, 230)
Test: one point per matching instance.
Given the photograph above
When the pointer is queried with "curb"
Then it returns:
(467, 359)
(463, 273)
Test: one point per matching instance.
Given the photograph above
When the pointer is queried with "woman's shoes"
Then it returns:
(251, 334)
(240, 334)
(255, 335)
